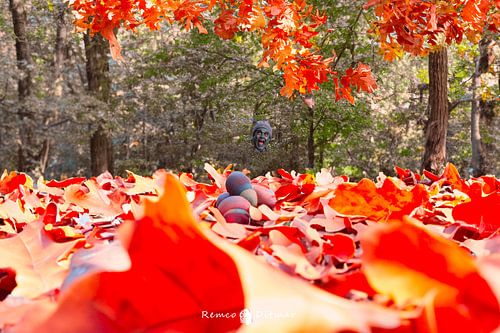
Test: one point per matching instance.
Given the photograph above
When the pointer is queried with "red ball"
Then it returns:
(237, 215)
(265, 196)
(233, 202)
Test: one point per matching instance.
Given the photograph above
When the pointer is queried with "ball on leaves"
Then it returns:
(237, 182)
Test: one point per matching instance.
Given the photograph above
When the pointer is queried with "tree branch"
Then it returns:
(322, 116)
(454, 104)
(351, 29)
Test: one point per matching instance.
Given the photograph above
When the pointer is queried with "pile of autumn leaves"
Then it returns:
(402, 254)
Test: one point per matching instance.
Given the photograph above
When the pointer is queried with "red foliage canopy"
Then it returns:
(419, 26)
(287, 27)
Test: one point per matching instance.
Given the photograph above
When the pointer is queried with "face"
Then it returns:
(261, 138)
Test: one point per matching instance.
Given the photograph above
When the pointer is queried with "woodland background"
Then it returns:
(181, 99)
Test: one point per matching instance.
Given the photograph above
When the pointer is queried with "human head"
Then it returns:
(261, 135)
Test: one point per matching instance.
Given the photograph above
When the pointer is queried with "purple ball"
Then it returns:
(237, 182)
(221, 197)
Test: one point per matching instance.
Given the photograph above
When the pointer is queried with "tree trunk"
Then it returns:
(477, 159)
(321, 157)
(483, 63)
(437, 124)
(294, 160)
(99, 84)
(60, 48)
(293, 142)
(24, 85)
(310, 139)
(97, 66)
(100, 151)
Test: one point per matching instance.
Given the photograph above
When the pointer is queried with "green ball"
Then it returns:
(250, 195)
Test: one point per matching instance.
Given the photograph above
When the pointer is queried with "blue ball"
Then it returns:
(237, 182)
(221, 197)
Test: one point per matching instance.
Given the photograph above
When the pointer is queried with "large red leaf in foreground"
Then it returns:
(178, 271)
(175, 275)
(415, 266)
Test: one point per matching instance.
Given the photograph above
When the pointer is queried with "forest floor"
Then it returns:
(413, 253)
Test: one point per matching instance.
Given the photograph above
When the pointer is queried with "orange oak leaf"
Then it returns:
(343, 284)
(136, 184)
(450, 177)
(407, 176)
(114, 46)
(251, 242)
(377, 203)
(292, 256)
(14, 210)
(339, 245)
(31, 312)
(66, 182)
(61, 234)
(361, 78)
(90, 196)
(51, 214)
(226, 25)
(414, 266)
(481, 211)
(34, 257)
(192, 185)
(11, 181)
(419, 26)
(488, 184)
(7, 282)
(288, 30)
